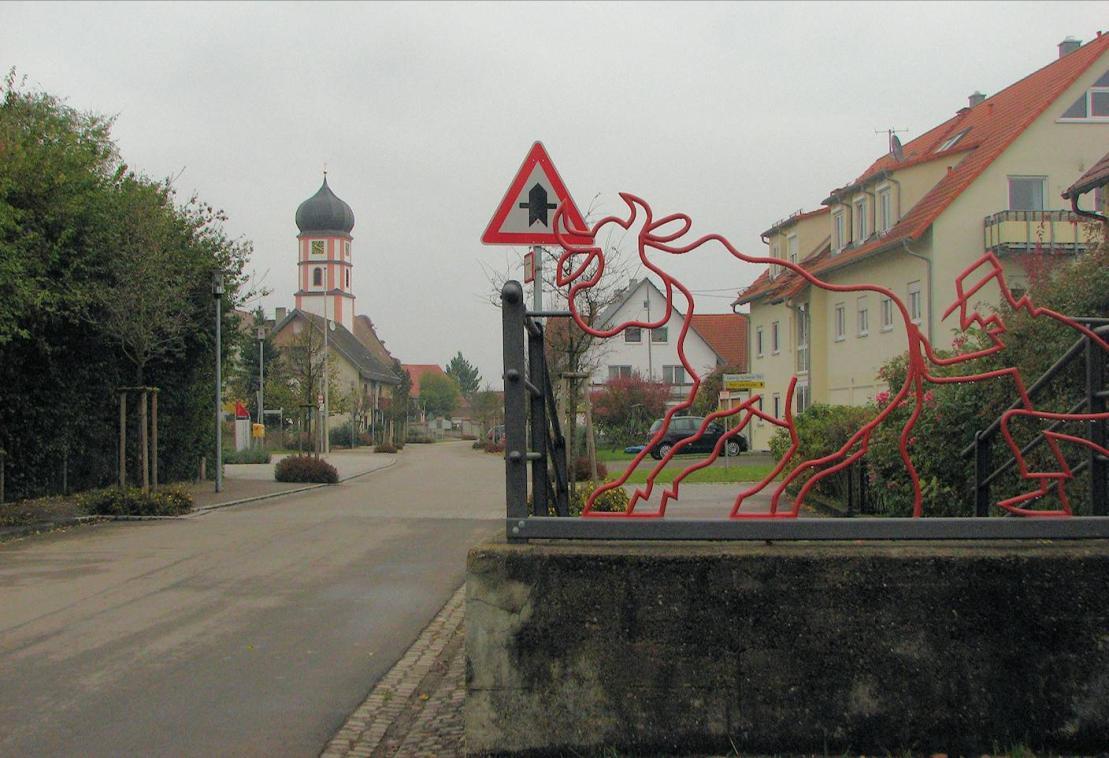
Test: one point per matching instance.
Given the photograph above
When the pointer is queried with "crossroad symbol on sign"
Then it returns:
(525, 215)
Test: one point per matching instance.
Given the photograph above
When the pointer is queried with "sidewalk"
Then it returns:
(244, 482)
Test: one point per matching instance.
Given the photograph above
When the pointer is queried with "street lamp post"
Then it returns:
(217, 295)
(261, 374)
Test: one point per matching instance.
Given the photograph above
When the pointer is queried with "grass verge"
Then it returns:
(711, 475)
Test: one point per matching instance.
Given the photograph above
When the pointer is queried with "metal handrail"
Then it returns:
(1094, 401)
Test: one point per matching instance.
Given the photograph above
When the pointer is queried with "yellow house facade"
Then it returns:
(988, 179)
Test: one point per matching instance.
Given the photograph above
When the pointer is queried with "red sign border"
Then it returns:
(494, 236)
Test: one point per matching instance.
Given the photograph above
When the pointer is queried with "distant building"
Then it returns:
(365, 367)
(713, 341)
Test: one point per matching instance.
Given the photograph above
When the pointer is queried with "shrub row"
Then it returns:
(113, 501)
(250, 455)
(305, 468)
(385, 447)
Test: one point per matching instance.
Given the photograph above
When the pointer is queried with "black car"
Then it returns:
(687, 426)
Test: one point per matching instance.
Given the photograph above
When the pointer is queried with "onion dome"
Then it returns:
(324, 212)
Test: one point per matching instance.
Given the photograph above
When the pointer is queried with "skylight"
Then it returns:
(951, 141)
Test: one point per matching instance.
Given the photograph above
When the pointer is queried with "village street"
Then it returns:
(253, 630)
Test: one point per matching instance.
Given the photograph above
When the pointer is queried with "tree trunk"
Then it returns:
(122, 439)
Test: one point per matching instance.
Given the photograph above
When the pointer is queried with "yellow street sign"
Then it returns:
(734, 382)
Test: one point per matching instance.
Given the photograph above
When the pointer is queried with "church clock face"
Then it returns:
(318, 247)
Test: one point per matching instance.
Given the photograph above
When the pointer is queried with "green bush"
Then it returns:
(420, 439)
(385, 447)
(821, 429)
(478, 445)
(250, 455)
(113, 501)
(611, 501)
(305, 468)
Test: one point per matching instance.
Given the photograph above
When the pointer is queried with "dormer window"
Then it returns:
(885, 210)
(839, 231)
(860, 221)
(1092, 105)
(776, 254)
(792, 242)
(951, 141)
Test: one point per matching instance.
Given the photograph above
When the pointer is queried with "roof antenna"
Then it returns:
(894, 142)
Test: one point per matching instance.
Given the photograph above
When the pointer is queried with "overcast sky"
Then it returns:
(737, 114)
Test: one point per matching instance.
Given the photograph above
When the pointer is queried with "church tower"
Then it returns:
(323, 257)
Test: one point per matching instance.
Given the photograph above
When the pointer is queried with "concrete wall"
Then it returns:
(790, 647)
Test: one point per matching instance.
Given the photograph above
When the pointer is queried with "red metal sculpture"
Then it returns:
(581, 266)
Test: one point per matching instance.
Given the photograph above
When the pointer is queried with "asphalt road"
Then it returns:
(253, 630)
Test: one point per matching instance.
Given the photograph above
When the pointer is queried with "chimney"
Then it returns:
(1069, 45)
(279, 314)
(976, 98)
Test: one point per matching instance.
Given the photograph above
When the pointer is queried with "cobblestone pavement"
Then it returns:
(416, 709)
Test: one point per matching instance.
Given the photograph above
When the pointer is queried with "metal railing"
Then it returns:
(532, 433)
(1021, 231)
(1094, 401)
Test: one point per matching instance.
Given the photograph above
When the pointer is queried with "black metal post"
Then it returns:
(1095, 403)
(850, 471)
(537, 369)
(513, 313)
(982, 461)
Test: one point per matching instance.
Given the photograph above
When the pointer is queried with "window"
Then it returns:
(776, 254)
(317, 277)
(633, 334)
(774, 338)
(659, 335)
(674, 375)
(802, 397)
(619, 372)
(802, 339)
(914, 302)
(863, 317)
(792, 248)
(887, 314)
(860, 220)
(346, 250)
(1026, 193)
(839, 232)
(758, 341)
(841, 321)
(319, 247)
(348, 278)
(951, 141)
(777, 405)
(1091, 104)
(885, 210)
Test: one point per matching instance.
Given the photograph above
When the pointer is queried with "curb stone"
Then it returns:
(18, 532)
(407, 711)
(216, 506)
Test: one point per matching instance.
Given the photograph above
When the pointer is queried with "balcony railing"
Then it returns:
(1048, 231)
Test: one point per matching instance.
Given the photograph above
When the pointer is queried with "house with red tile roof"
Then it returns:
(713, 341)
(988, 178)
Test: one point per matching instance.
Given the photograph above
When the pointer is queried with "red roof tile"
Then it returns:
(726, 333)
(992, 126)
(418, 370)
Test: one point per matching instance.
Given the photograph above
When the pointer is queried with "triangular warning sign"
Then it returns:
(526, 214)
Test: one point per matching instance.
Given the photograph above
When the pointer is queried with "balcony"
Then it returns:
(1045, 231)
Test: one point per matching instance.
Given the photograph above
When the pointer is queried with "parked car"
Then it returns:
(687, 426)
